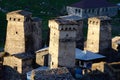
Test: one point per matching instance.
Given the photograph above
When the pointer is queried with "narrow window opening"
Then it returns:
(14, 19)
(52, 63)
(18, 19)
(66, 35)
(9, 18)
(16, 32)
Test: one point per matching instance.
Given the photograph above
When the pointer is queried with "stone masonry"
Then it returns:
(62, 43)
(99, 34)
(79, 33)
(21, 32)
(23, 37)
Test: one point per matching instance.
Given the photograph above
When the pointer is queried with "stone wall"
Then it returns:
(23, 32)
(98, 66)
(54, 74)
(42, 57)
(92, 12)
(13, 62)
(115, 43)
(37, 33)
(62, 43)
(99, 34)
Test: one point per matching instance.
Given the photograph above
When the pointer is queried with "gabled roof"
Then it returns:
(87, 55)
(92, 4)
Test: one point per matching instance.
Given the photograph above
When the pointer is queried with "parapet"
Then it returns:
(99, 19)
(61, 24)
(18, 15)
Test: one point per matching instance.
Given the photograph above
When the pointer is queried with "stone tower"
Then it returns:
(37, 33)
(79, 33)
(99, 34)
(20, 30)
(62, 43)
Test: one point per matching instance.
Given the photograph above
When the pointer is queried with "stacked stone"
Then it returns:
(54, 74)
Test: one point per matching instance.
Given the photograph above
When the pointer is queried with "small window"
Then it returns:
(9, 18)
(16, 32)
(14, 19)
(52, 63)
(79, 10)
(18, 19)
(76, 10)
(66, 35)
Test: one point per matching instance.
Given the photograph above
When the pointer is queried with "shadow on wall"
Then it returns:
(11, 74)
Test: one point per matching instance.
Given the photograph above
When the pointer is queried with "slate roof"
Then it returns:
(92, 4)
(24, 56)
(54, 74)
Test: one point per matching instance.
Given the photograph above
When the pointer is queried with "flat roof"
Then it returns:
(92, 4)
(24, 56)
(87, 55)
(20, 12)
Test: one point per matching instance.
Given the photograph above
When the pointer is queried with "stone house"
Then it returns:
(42, 57)
(92, 8)
(20, 62)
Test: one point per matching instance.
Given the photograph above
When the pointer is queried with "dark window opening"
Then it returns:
(14, 19)
(66, 35)
(52, 63)
(9, 18)
(18, 19)
(76, 10)
(16, 32)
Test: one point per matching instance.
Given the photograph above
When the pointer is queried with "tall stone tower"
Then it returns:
(20, 28)
(37, 33)
(62, 43)
(79, 33)
(99, 34)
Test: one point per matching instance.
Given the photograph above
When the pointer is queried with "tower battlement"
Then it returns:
(63, 25)
(19, 15)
